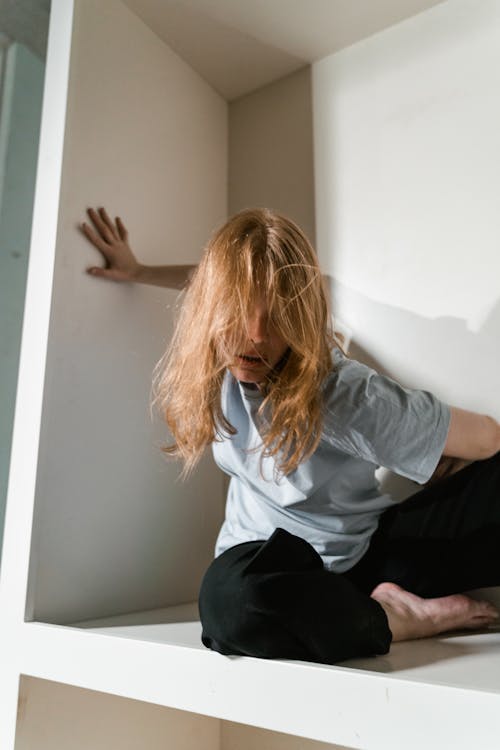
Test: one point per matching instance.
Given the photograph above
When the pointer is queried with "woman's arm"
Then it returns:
(472, 436)
(111, 239)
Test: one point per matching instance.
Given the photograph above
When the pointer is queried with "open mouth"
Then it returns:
(249, 359)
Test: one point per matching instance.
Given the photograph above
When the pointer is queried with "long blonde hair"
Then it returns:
(256, 248)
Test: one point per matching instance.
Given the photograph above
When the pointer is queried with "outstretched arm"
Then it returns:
(472, 436)
(111, 239)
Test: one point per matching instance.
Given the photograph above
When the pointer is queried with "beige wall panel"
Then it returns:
(146, 137)
(53, 716)
(271, 150)
(242, 737)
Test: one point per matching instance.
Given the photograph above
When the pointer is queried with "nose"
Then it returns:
(258, 327)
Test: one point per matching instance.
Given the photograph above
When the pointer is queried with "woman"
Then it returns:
(313, 562)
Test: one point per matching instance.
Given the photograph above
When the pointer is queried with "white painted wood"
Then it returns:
(18, 520)
(445, 689)
(114, 530)
(26, 429)
(433, 693)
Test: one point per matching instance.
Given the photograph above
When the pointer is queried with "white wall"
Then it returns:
(407, 168)
(147, 138)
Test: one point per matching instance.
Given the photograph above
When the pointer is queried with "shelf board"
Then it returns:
(469, 660)
(433, 686)
(178, 625)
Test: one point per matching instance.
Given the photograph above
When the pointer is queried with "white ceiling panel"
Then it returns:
(241, 45)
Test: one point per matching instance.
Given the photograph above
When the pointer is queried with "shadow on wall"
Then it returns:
(441, 355)
(440, 351)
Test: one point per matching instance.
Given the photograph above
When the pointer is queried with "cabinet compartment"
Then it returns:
(53, 716)
(114, 530)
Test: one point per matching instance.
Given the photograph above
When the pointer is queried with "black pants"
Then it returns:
(274, 598)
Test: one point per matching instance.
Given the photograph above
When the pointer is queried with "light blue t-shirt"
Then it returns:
(333, 500)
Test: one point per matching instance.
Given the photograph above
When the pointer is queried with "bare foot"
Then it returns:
(411, 617)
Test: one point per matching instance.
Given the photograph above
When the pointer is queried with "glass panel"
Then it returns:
(23, 37)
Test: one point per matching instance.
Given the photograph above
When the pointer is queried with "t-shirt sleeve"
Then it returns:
(371, 416)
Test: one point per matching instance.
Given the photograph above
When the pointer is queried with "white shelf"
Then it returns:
(177, 626)
(89, 528)
(457, 660)
(433, 685)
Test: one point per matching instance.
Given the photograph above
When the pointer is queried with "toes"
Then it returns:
(386, 587)
(479, 623)
(487, 609)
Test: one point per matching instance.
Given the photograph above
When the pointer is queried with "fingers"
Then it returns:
(94, 238)
(96, 271)
(121, 229)
(107, 221)
(103, 224)
(103, 273)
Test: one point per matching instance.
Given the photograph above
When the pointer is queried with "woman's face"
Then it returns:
(262, 347)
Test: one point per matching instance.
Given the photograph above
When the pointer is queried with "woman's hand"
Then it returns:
(121, 264)
(111, 239)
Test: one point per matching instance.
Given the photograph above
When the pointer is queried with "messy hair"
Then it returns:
(256, 251)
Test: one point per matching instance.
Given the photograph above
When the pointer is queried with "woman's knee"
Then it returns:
(226, 601)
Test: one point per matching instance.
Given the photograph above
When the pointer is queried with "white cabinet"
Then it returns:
(104, 548)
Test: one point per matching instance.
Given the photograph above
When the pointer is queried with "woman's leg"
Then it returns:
(411, 616)
(443, 540)
(275, 599)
